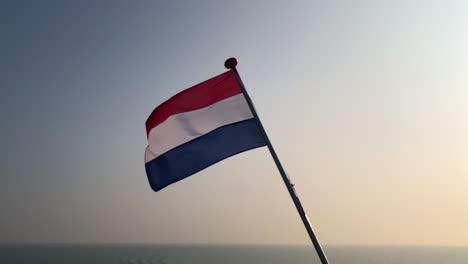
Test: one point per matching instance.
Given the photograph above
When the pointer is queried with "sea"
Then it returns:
(228, 254)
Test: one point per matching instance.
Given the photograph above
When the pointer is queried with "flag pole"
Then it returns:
(231, 64)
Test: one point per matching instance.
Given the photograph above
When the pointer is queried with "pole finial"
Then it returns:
(230, 63)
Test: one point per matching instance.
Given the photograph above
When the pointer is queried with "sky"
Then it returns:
(365, 103)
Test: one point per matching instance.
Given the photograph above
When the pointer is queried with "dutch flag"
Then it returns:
(198, 127)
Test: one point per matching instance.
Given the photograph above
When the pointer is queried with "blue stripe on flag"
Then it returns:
(197, 154)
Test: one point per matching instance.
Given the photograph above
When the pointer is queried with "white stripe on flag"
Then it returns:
(184, 127)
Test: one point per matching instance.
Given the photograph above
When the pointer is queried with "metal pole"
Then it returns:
(231, 64)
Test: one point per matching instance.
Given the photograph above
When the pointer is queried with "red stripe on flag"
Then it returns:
(201, 95)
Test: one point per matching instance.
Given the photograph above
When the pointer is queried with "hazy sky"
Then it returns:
(366, 104)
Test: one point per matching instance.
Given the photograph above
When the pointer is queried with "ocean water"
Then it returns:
(209, 254)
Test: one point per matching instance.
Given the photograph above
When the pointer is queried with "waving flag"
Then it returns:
(198, 127)
(205, 124)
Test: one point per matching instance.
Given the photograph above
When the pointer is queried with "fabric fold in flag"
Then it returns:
(198, 127)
